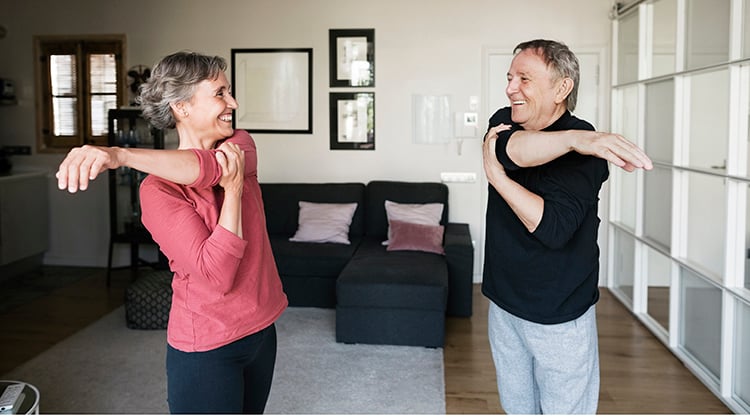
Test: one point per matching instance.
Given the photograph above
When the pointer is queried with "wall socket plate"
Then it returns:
(458, 177)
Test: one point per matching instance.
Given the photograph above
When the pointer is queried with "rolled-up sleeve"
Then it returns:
(568, 195)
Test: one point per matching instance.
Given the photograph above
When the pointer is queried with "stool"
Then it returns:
(148, 300)
(392, 298)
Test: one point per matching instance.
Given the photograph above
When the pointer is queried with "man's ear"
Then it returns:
(564, 87)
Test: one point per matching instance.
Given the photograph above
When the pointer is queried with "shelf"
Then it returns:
(128, 128)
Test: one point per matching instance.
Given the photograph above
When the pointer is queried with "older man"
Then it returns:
(545, 168)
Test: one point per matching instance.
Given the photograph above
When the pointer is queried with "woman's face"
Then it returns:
(209, 111)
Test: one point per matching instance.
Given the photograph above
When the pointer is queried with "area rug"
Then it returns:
(110, 369)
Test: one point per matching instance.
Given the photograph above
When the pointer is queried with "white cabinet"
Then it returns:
(24, 216)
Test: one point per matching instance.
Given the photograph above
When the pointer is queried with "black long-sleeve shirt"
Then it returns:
(549, 276)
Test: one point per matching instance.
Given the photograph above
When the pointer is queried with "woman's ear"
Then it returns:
(179, 110)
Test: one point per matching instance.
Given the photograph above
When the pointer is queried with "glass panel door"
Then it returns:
(707, 32)
(627, 48)
(665, 37)
(700, 320)
(709, 120)
(659, 271)
(624, 263)
(706, 222)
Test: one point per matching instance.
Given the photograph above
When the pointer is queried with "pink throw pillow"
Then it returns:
(324, 222)
(421, 237)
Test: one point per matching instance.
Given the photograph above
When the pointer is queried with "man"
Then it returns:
(545, 168)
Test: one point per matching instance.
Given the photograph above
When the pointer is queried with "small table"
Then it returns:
(30, 404)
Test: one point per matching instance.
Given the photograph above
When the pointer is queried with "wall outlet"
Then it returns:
(16, 150)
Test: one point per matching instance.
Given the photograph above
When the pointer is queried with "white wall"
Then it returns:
(421, 46)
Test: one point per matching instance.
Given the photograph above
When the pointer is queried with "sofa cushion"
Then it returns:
(324, 222)
(311, 259)
(378, 191)
(427, 214)
(419, 237)
(281, 202)
(376, 277)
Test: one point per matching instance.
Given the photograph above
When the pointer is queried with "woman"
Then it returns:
(202, 205)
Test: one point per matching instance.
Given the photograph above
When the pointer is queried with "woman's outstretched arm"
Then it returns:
(84, 164)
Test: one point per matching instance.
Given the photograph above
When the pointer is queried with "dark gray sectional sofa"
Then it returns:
(381, 297)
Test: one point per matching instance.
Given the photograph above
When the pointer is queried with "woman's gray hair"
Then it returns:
(562, 61)
(173, 80)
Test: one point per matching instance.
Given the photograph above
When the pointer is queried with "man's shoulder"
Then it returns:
(502, 115)
(573, 122)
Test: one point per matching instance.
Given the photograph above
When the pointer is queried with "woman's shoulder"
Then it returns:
(242, 137)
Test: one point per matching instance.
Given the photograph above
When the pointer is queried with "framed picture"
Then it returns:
(274, 90)
(352, 120)
(352, 53)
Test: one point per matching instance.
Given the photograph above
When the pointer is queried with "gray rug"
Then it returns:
(110, 369)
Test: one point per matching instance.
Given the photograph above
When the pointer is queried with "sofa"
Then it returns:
(386, 285)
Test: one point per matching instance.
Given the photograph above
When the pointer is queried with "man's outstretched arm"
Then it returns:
(534, 148)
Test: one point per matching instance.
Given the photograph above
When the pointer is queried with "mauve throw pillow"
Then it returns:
(427, 214)
(422, 237)
(324, 223)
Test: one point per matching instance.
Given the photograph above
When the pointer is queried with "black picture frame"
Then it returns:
(352, 118)
(273, 87)
(352, 57)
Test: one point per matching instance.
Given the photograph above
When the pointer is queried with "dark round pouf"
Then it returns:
(148, 300)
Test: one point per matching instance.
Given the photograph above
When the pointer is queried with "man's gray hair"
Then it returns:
(562, 61)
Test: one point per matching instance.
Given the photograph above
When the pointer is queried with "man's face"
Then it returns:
(534, 95)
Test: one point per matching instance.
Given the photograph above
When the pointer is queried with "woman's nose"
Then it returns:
(231, 101)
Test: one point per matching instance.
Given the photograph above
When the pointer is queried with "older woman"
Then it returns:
(202, 205)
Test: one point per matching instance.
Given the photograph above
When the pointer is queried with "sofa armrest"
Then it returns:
(459, 254)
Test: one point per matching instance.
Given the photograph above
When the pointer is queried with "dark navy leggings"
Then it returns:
(235, 378)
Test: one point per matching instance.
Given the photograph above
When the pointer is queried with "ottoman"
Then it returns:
(148, 300)
(392, 298)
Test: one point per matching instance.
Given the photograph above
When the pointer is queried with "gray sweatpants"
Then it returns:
(550, 369)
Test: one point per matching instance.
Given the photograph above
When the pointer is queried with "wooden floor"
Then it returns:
(639, 375)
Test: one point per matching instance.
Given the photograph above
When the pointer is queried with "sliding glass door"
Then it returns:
(679, 235)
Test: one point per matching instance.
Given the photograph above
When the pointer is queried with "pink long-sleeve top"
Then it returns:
(224, 287)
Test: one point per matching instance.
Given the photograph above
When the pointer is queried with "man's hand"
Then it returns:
(492, 167)
(83, 164)
(613, 148)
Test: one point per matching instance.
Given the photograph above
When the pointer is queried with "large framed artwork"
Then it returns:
(352, 57)
(352, 120)
(274, 90)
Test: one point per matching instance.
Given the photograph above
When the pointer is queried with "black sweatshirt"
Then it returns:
(549, 276)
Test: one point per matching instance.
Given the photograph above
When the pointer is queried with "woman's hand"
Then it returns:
(84, 164)
(232, 162)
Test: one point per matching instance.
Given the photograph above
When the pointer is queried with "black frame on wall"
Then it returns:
(273, 87)
(350, 66)
(352, 117)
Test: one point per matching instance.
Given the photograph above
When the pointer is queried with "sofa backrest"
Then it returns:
(281, 203)
(378, 191)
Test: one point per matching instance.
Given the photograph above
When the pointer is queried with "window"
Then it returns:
(78, 81)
